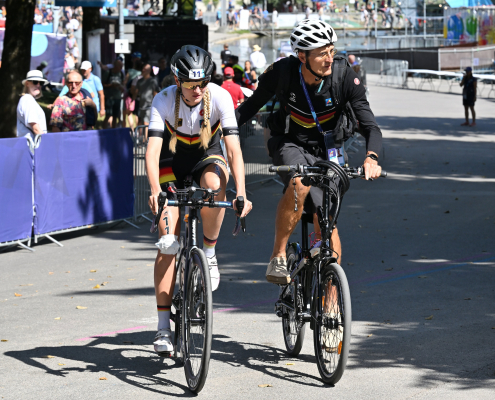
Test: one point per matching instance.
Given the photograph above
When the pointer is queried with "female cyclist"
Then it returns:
(184, 139)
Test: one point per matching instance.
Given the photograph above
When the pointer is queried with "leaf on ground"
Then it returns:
(57, 318)
(370, 335)
(255, 281)
(84, 259)
(93, 270)
(350, 263)
(60, 364)
(122, 247)
(96, 287)
(429, 318)
(67, 272)
(48, 356)
(467, 298)
(422, 276)
(150, 265)
(103, 378)
(129, 268)
(363, 291)
(51, 273)
(17, 295)
(388, 269)
(131, 279)
(447, 212)
(6, 340)
(108, 276)
(103, 283)
(27, 284)
(90, 279)
(81, 308)
(265, 385)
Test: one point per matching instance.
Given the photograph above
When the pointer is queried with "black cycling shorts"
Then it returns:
(177, 169)
(285, 152)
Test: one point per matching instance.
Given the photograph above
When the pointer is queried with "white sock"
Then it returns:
(209, 247)
(163, 317)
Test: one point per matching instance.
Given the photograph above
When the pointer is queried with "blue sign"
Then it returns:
(83, 3)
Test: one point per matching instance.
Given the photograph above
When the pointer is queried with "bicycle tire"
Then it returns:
(293, 333)
(332, 344)
(178, 304)
(197, 304)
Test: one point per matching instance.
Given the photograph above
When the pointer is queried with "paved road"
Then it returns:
(419, 252)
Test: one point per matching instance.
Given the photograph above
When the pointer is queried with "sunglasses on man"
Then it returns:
(194, 84)
(74, 83)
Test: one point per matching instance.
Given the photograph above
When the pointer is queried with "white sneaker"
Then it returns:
(163, 342)
(214, 273)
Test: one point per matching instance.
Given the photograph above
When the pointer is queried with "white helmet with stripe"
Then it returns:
(310, 34)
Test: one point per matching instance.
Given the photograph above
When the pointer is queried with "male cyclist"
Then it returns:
(313, 97)
(184, 140)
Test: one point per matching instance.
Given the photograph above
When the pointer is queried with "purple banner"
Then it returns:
(48, 48)
(83, 178)
(16, 189)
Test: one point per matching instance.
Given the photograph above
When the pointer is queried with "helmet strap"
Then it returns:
(318, 77)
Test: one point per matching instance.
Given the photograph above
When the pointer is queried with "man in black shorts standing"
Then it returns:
(313, 90)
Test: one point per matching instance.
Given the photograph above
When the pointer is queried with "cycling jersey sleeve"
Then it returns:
(158, 116)
(354, 92)
(267, 86)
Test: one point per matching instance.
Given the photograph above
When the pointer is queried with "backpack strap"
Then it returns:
(338, 74)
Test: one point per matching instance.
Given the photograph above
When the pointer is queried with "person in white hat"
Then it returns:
(30, 116)
(96, 87)
(258, 60)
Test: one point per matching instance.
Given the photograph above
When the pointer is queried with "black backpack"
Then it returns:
(347, 123)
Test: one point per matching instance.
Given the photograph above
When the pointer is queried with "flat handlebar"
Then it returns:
(304, 169)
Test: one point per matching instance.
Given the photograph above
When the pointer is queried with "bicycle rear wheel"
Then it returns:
(293, 327)
(197, 321)
(332, 333)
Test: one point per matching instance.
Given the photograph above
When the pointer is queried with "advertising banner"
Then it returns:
(16, 190)
(48, 48)
(467, 25)
(83, 178)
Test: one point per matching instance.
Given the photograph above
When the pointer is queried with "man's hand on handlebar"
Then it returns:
(371, 168)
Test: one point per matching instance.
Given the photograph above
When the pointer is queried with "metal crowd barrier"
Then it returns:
(142, 190)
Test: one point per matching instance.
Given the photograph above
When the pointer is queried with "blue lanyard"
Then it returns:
(309, 102)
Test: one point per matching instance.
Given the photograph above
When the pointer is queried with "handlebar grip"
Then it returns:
(280, 168)
(383, 174)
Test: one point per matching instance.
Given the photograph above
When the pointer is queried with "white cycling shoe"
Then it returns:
(214, 273)
(163, 342)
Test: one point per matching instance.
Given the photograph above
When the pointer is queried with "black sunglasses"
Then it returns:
(37, 82)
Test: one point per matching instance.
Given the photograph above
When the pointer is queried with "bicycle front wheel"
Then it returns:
(332, 333)
(197, 321)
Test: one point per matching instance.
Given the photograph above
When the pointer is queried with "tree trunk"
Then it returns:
(16, 59)
(91, 21)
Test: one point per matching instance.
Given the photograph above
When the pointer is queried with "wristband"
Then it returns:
(372, 156)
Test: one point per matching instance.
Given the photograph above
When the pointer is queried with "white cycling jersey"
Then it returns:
(191, 118)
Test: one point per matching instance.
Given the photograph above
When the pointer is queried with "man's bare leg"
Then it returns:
(287, 219)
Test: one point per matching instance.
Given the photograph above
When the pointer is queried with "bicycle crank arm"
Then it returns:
(282, 303)
(299, 267)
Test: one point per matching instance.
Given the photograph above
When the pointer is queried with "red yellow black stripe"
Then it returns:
(188, 139)
(309, 122)
(166, 175)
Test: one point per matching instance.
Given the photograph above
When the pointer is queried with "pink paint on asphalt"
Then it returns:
(111, 333)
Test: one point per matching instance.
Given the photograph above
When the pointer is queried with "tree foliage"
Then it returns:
(16, 59)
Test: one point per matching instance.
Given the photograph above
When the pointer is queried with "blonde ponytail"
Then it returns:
(173, 140)
(204, 133)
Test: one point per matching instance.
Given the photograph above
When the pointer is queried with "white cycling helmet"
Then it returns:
(310, 34)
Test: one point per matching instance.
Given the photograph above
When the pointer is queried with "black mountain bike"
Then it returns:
(318, 292)
(193, 316)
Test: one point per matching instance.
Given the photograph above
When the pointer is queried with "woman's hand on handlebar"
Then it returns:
(371, 169)
(248, 206)
(153, 203)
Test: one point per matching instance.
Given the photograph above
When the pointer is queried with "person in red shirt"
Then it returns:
(233, 88)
